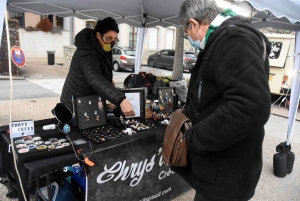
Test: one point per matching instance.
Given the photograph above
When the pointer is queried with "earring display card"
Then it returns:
(166, 97)
(90, 111)
(136, 96)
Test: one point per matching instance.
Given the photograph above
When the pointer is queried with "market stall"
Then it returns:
(124, 154)
(123, 169)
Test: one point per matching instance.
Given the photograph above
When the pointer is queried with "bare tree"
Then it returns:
(178, 60)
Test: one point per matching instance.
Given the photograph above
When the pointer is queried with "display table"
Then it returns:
(128, 168)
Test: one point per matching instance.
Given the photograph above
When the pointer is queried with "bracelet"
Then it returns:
(63, 116)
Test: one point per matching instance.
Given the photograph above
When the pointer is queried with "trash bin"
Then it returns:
(51, 57)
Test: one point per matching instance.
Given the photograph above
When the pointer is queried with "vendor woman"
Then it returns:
(91, 67)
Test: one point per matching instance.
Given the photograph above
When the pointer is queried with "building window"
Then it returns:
(59, 21)
(19, 17)
(152, 37)
(50, 17)
(169, 39)
(132, 37)
(90, 24)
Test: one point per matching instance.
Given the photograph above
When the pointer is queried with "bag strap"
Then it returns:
(265, 49)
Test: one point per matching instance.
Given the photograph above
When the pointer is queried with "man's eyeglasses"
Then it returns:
(110, 39)
(185, 35)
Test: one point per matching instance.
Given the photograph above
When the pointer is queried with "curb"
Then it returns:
(14, 78)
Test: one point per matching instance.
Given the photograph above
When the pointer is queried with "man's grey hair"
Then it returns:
(203, 11)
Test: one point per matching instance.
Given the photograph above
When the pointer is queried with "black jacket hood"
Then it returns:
(86, 40)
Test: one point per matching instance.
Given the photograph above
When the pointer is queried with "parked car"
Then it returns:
(123, 58)
(165, 59)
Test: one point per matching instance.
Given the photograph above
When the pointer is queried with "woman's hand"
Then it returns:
(111, 106)
(113, 83)
(127, 109)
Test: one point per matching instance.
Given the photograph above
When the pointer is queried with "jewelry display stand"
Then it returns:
(90, 111)
(167, 98)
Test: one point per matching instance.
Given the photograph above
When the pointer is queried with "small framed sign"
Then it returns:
(21, 128)
(136, 96)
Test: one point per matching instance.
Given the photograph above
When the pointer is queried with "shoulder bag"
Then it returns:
(174, 149)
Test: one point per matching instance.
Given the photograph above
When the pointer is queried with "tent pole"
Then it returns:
(295, 92)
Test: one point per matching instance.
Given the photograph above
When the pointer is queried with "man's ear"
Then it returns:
(194, 23)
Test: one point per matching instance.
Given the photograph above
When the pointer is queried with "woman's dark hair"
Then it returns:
(105, 25)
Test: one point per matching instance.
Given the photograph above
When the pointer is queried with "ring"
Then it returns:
(36, 138)
(19, 146)
(65, 144)
(25, 138)
(38, 142)
(51, 147)
(40, 147)
(29, 142)
(31, 146)
(62, 140)
(24, 150)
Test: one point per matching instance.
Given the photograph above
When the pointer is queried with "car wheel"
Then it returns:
(151, 63)
(116, 66)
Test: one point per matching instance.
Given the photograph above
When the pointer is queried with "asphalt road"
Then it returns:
(23, 89)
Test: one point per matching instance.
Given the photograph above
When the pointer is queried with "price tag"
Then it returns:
(21, 128)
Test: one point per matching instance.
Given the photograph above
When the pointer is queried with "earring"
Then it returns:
(161, 100)
(97, 116)
(100, 104)
(170, 103)
(87, 118)
(173, 94)
(166, 98)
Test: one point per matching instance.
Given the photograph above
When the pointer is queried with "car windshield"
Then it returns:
(190, 55)
(129, 52)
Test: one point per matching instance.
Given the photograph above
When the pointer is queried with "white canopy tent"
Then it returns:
(281, 14)
(138, 13)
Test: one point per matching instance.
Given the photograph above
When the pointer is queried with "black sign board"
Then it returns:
(134, 171)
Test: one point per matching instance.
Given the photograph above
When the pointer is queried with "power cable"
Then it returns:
(10, 107)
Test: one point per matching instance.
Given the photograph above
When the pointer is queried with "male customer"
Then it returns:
(228, 101)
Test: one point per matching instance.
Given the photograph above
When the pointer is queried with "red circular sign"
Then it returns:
(18, 56)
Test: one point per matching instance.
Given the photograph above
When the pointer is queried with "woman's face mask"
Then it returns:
(106, 47)
(107, 41)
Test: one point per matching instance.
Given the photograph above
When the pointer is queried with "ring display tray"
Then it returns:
(101, 134)
(29, 148)
(140, 125)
